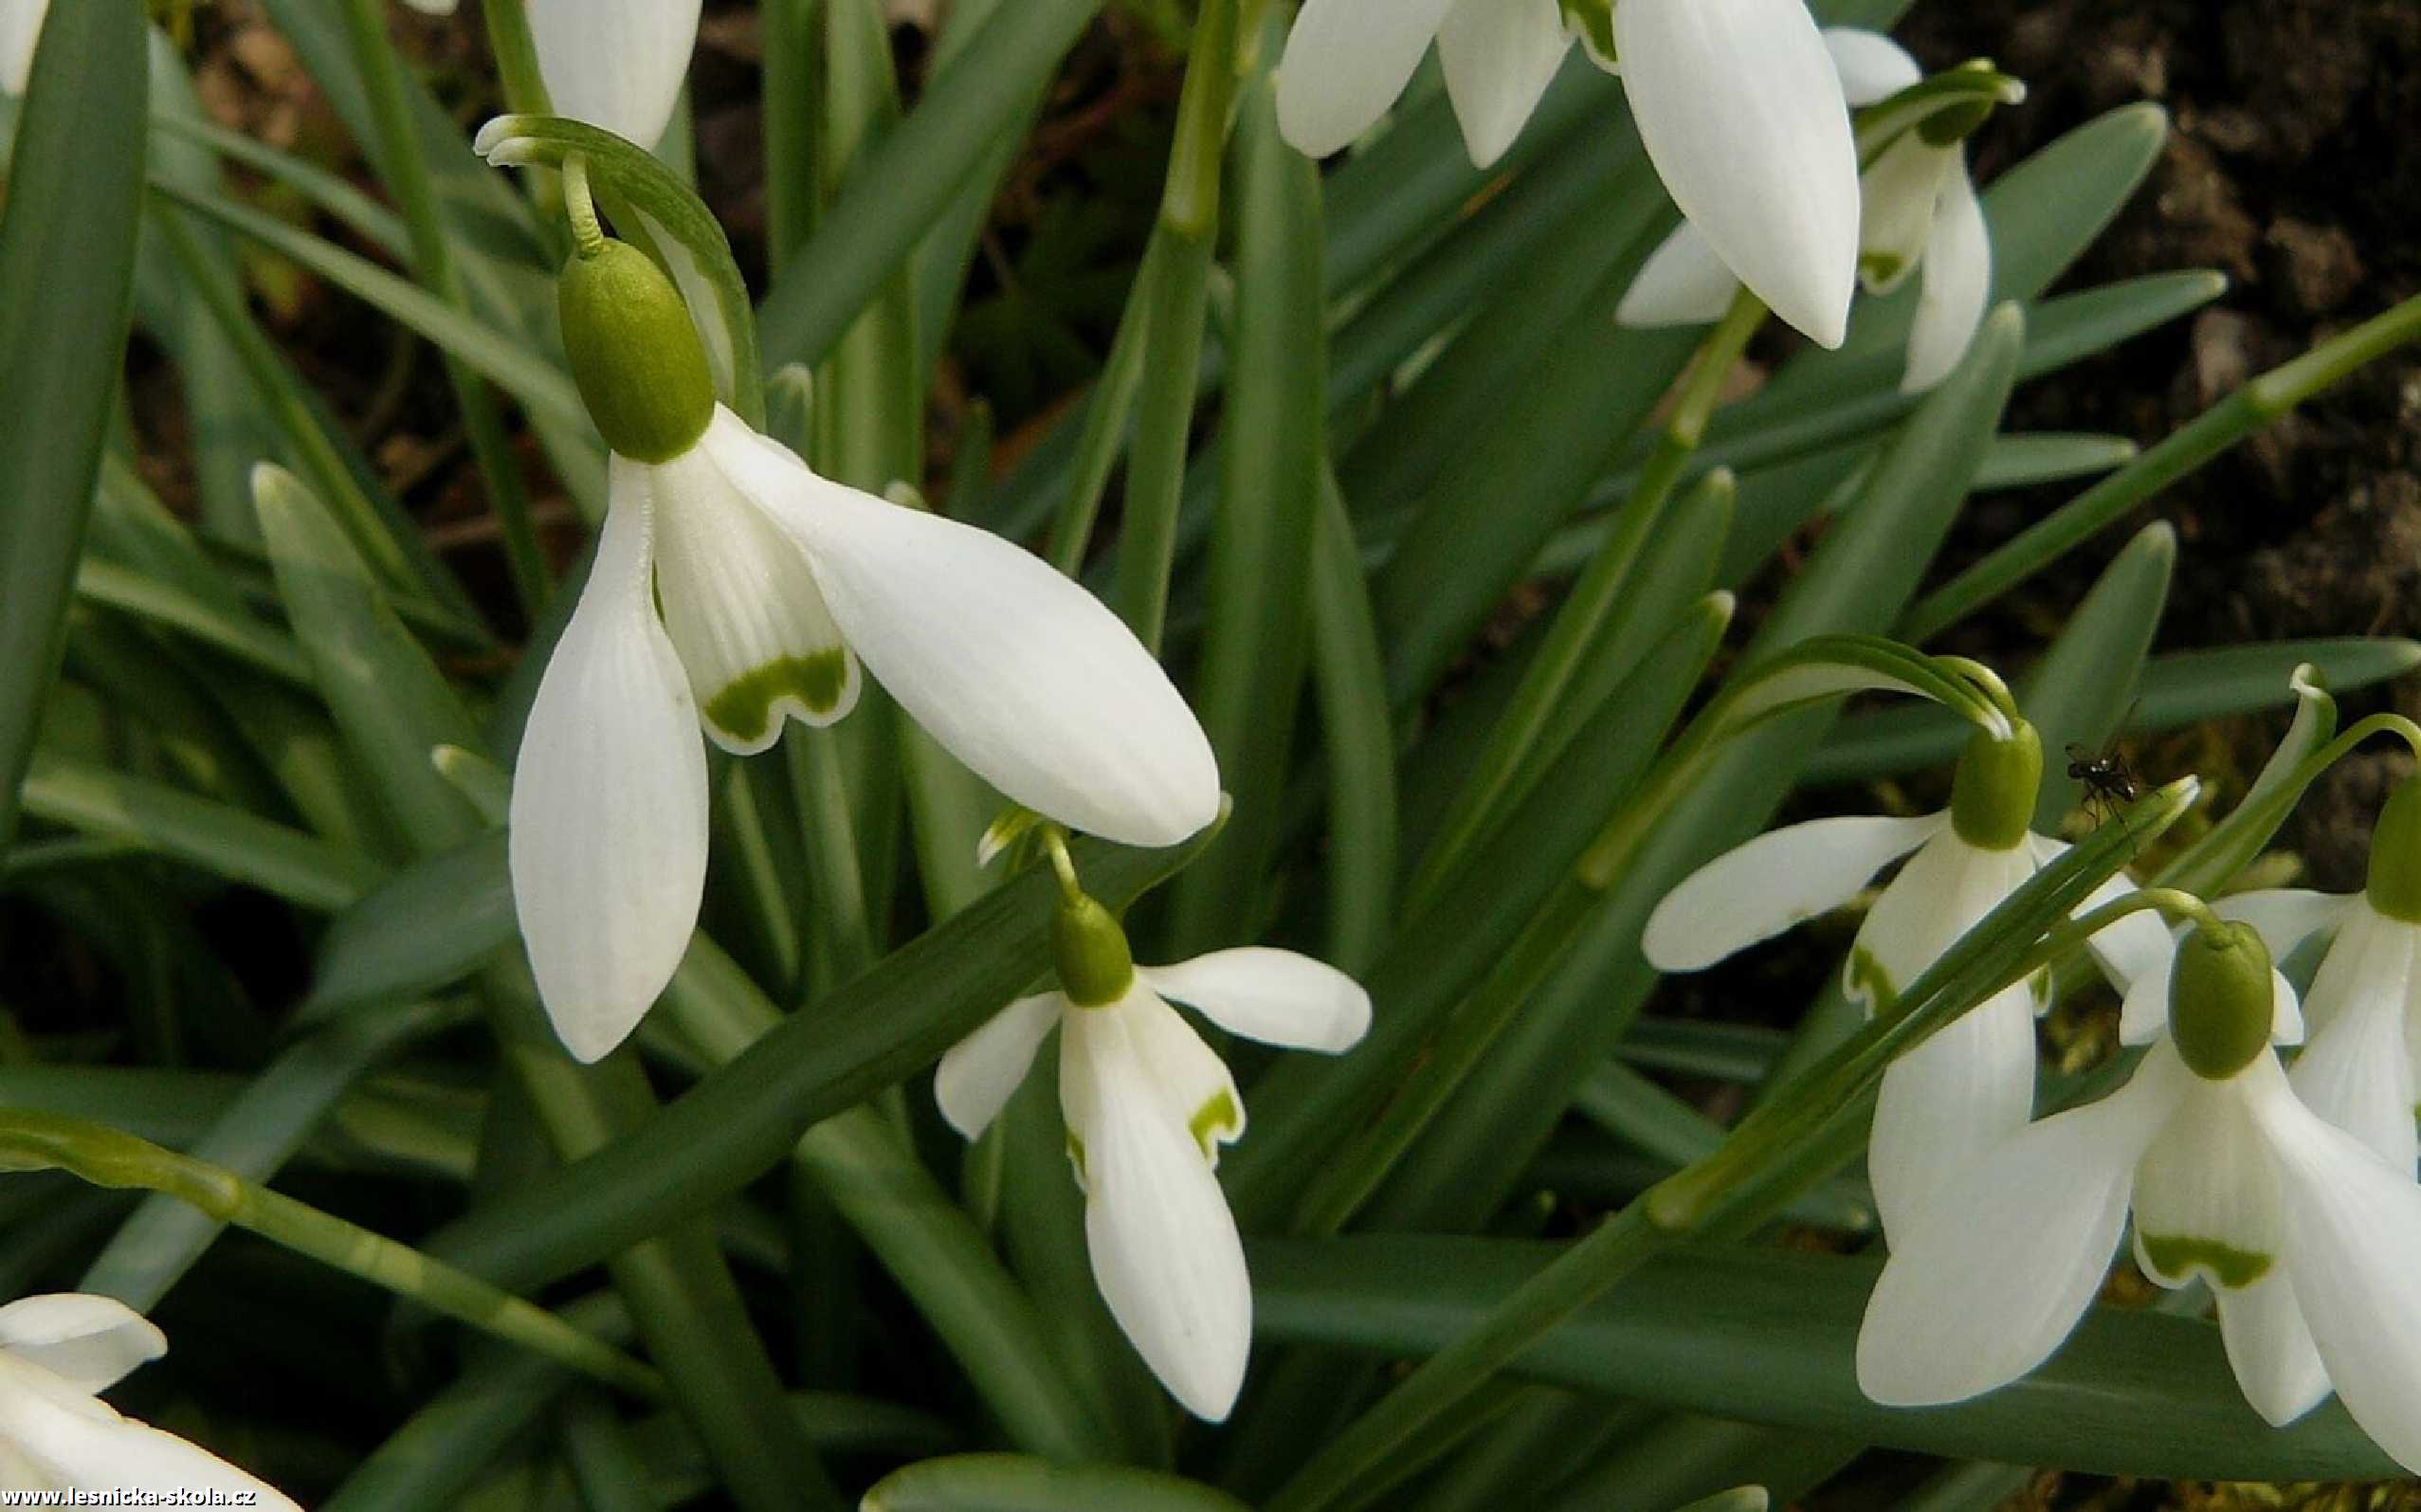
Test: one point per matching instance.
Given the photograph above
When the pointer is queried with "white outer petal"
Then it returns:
(1019, 673)
(616, 64)
(433, 8)
(1987, 1281)
(1499, 57)
(608, 810)
(1683, 283)
(90, 1342)
(1953, 1100)
(1871, 66)
(20, 29)
(1164, 1247)
(2353, 1226)
(76, 1439)
(2356, 1071)
(1740, 109)
(1345, 63)
(1958, 283)
(2136, 944)
(2271, 1348)
(979, 1075)
(1757, 890)
(1275, 996)
(2286, 916)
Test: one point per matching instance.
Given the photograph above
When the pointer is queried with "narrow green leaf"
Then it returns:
(1357, 740)
(67, 238)
(428, 926)
(2080, 689)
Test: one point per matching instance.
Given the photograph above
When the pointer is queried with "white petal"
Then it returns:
(2136, 944)
(1683, 283)
(2143, 1013)
(20, 29)
(433, 8)
(74, 1439)
(1499, 57)
(980, 1074)
(2286, 916)
(742, 609)
(1957, 283)
(1740, 109)
(2356, 1073)
(1871, 66)
(1275, 996)
(1345, 63)
(608, 809)
(2353, 1225)
(2205, 1201)
(616, 64)
(1019, 673)
(88, 1342)
(1946, 888)
(1163, 1245)
(1985, 1283)
(1950, 1102)
(1897, 195)
(2276, 1363)
(1760, 890)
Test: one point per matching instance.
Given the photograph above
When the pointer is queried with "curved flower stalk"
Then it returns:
(732, 588)
(1738, 104)
(618, 64)
(2304, 1234)
(1147, 1105)
(20, 29)
(1919, 210)
(57, 1354)
(1969, 1086)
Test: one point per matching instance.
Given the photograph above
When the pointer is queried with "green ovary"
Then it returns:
(2225, 1265)
(745, 708)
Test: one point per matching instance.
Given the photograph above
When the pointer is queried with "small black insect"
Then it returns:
(2110, 783)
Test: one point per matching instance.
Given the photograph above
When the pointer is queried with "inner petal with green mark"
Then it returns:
(2178, 1258)
(1217, 1122)
(744, 611)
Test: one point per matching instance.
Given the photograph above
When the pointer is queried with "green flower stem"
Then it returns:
(1957, 94)
(407, 174)
(1583, 616)
(1107, 413)
(1763, 1164)
(2214, 859)
(2259, 403)
(108, 1157)
(1190, 201)
(516, 56)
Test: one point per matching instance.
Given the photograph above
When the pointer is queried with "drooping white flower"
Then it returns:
(733, 588)
(2304, 1234)
(1919, 210)
(57, 1354)
(1969, 1086)
(614, 64)
(1737, 101)
(1147, 1105)
(20, 29)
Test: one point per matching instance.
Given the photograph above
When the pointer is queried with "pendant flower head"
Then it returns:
(1737, 101)
(618, 64)
(1971, 1086)
(2304, 1234)
(1919, 210)
(733, 587)
(1147, 1105)
(57, 1354)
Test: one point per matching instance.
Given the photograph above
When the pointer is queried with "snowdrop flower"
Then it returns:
(733, 587)
(614, 64)
(2304, 1234)
(20, 29)
(1147, 1105)
(1971, 1086)
(1738, 104)
(1919, 210)
(57, 1354)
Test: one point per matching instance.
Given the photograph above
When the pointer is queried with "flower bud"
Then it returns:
(2395, 855)
(1096, 968)
(2221, 999)
(1992, 797)
(636, 357)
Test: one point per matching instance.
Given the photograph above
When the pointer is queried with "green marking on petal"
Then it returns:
(1217, 1117)
(2226, 1265)
(1076, 1158)
(1869, 981)
(1881, 268)
(744, 709)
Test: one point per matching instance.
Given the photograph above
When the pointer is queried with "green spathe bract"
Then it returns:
(1992, 797)
(2220, 1001)
(635, 354)
(1096, 968)
(2394, 886)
